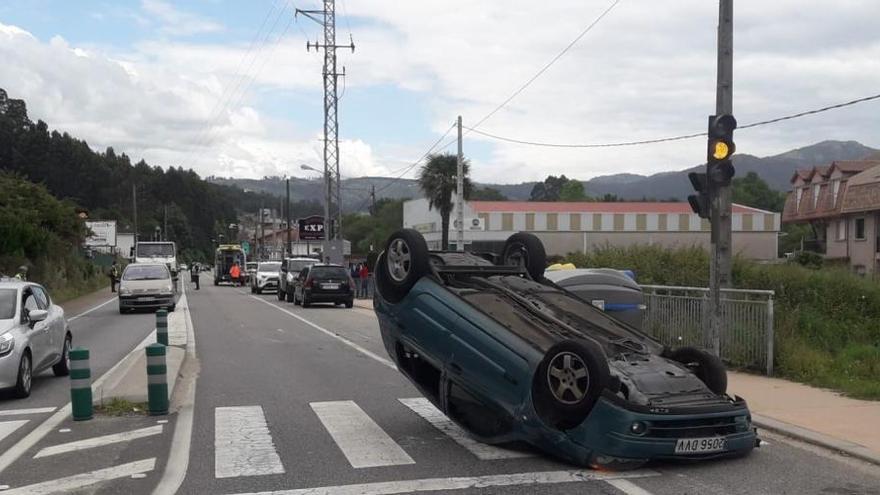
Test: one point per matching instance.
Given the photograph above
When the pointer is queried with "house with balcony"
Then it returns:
(841, 202)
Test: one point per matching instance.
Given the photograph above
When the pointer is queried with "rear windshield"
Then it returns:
(329, 272)
(270, 267)
(7, 303)
(149, 250)
(145, 272)
(297, 266)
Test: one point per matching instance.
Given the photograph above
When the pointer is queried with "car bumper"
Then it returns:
(140, 301)
(9, 368)
(271, 283)
(320, 297)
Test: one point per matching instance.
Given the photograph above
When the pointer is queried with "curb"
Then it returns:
(364, 303)
(815, 438)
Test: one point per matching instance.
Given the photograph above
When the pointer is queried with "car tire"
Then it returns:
(296, 301)
(349, 304)
(290, 296)
(25, 379)
(62, 367)
(280, 294)
(708, 368)
(305, 301)
(404, 261)
(568, 382)
(216, 282)
(525, 250)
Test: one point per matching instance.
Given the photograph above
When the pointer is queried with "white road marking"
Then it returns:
(89, 443)
(361, 440)
(44, 428)
(242, 443)
(7, 427)
(484, 452)
(64, 430)
(177, 324)
(21, 412)
(365, 352)
(463, 483)
(628, 487)
(78, 481)
(91, 309)
(178, 460)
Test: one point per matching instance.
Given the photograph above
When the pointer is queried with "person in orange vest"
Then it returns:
(235, 273)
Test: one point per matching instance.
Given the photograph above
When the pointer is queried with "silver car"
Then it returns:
(266, 276)
(146, 286)
(34, 336)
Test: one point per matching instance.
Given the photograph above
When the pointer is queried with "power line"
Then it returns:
(548, 64)
(671, 138)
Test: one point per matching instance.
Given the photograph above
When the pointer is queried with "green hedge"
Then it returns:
(827, 320)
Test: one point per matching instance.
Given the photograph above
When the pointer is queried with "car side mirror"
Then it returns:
(36, 315)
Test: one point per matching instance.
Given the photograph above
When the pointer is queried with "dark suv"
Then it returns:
(323, 283)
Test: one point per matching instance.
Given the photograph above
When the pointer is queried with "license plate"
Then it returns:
(330, 286)
(145, 299)
(700, 445)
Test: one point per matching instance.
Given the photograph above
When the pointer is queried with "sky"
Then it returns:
(228, 88)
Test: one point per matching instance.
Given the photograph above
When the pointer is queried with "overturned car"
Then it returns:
(510, 356)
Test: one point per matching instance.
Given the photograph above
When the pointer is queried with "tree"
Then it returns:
(487, 194)
(549, 189)
(573, 190)
(437, 181)
(752, 191)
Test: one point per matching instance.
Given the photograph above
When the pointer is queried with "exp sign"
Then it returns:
(311, 228)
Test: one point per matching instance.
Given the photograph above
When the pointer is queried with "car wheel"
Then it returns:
(296, 300)
(305, 301)
(216, 282)
(708, 368)
(349, 304)
(525, 250)
(290, 296)
(25, 377)
(62, 367)
(403, 263)
(280, 294)
(568, 382)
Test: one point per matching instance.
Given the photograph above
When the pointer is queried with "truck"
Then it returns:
(224, 257)
(158, 252)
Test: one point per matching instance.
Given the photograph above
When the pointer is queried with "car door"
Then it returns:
(299, 280)
(54, 323)
(38, 333)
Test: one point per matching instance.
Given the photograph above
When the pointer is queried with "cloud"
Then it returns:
(176, 22)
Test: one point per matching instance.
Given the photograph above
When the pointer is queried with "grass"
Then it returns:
(121, 407)
(827, 320)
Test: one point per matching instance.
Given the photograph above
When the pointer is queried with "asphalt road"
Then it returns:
(290, 399)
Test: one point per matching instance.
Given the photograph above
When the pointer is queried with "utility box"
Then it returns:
(613, 291)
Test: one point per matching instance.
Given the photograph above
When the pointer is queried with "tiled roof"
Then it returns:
(591, 207)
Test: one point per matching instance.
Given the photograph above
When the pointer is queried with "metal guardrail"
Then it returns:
(677, 316)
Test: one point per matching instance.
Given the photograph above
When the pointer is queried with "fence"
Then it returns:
(679, 316)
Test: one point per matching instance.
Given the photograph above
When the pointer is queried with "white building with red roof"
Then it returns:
(567, 227)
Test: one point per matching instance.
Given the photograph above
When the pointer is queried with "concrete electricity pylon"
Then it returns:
(332, 189)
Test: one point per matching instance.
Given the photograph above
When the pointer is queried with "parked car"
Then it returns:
(34, 336)
(324, 283)
(250, 270)
(266, 276)
(146, 286)
(290, 269)
(511, 356)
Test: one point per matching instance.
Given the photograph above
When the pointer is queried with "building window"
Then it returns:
(551, 221)
(684, 222)
(835, 189)
(860, 229)
(816, 188)
(618, 222)
(662, 222)
(800, 194)
(641, 222)
(574, 222)
(841, 230)
(747, 222)
(530, 221)
(507, 221)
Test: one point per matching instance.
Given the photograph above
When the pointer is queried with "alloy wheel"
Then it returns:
(399, 260)
(568, 378)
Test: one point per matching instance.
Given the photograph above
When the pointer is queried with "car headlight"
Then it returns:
(168, 288)
(124, 291)
(7, 343)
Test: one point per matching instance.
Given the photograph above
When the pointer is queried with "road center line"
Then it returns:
(85, 479)
(482, 451)
(101, 441)
(463, 483)
(363, 442)
(91, 309)
(365, 352)
(21, 412)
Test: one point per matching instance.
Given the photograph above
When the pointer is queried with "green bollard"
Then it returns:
(80, 384)
(157, 380)
(162, 326)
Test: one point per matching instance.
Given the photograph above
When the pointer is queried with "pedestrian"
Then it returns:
(22, 273)
(114, 276)
(194, 274)
(235, 274)
(365, 280)
(354, 272)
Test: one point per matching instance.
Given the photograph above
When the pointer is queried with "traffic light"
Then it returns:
(700, 201)
(721, 147)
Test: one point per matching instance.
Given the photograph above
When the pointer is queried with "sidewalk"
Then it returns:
(364, 303)
(811, 414)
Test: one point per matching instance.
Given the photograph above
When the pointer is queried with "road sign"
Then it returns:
(311, 228)
(246, 247)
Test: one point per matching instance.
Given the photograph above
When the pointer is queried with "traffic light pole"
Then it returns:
(721, 250)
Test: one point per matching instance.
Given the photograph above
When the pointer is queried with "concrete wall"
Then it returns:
(862, 252)
(753, 245)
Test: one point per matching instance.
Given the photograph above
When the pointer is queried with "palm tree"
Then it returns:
(437, 181)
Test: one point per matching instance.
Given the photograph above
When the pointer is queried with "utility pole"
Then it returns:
(164, 236)
(287, 220)
(373, 199)
(332, 195)
(459, 193)
(134, 210)
(720, 208)
(260, 246)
